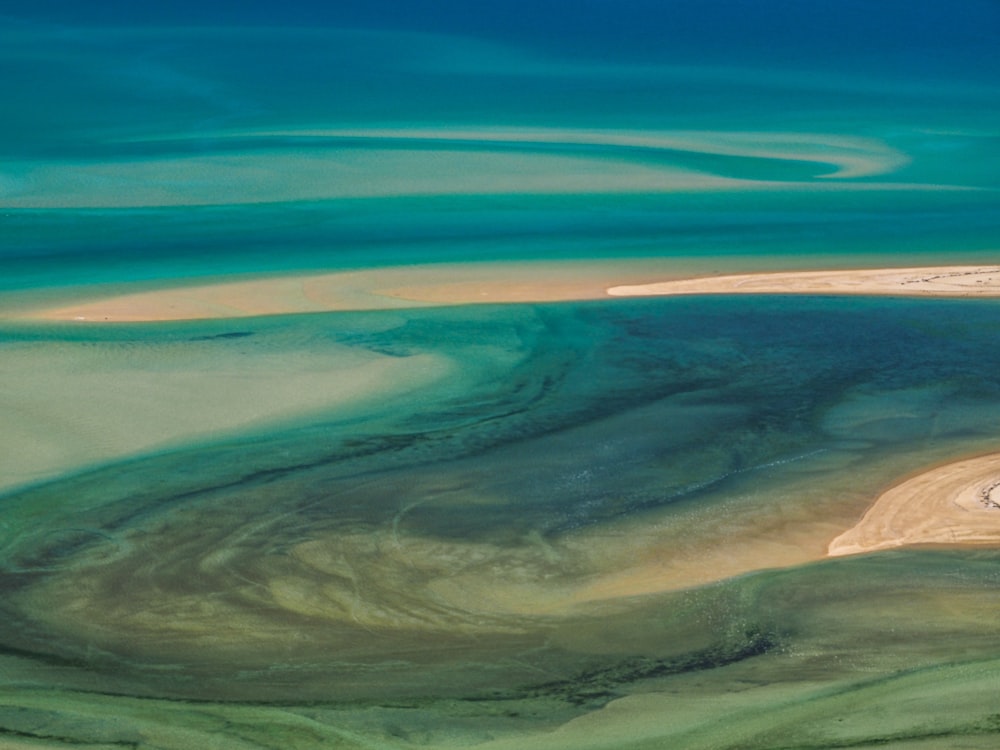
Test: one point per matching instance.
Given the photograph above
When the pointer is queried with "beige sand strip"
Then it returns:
(461, 284)
(943, 281)
(363, 289)
(958, 503)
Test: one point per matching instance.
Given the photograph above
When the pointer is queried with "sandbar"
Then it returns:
(498, 283)
(936, 281)
(364, 289)
(954, 504)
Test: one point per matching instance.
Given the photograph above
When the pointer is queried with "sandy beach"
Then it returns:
(958, 503)
(497, 283)
(938, 281)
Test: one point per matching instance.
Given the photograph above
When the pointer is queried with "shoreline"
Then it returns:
(498, 283)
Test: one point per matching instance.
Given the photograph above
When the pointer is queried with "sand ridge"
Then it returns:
(364, 289)
(499, 283)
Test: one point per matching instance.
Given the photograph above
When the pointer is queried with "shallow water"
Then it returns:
(529, 515)
(578, 525)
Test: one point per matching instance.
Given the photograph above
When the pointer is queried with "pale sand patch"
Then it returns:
(958, 503)
(69, 406)
(938, 281)
(460, 284)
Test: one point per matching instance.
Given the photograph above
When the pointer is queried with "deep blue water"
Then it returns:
(919, 36)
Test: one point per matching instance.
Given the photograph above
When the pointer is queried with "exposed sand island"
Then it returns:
(958, 503)
(460, 284)
(943, 281)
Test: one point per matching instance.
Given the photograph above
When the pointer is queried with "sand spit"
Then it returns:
(943, 281)
(958, 503)
(461, 284)
(368, 289)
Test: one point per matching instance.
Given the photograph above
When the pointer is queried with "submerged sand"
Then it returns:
(370, 289)
(956, 504)
(459, 162)
(461, 284)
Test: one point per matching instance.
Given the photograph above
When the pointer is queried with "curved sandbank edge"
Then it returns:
(954, 504)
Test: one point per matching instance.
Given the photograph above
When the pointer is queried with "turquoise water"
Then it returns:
(592, 524)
